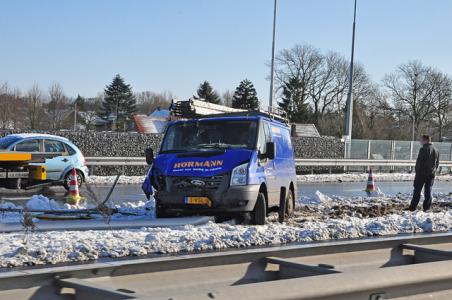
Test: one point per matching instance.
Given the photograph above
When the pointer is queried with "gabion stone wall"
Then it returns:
(119, 144)
(318, 147)
(123, 144)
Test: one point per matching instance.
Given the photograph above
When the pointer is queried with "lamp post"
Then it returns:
(413, 124)
(272, 75)
(349, 116)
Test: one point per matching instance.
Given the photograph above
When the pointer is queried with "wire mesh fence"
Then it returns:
(392, 150)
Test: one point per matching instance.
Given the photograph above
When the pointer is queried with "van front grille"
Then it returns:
(211, 182)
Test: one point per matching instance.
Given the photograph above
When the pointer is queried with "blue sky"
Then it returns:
(173, 45)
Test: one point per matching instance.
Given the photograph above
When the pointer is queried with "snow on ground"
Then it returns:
(362, 177)
(319, 218)
(126, 210)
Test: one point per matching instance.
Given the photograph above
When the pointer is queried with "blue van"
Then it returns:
(226, 164)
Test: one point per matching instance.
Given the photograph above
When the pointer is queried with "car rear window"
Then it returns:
(8, 141)
(53, 146)
(28, 146)
(70, 150)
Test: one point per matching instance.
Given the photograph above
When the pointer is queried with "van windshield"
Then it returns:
(206, 135)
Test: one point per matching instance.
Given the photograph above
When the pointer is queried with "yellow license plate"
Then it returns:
(198, 201)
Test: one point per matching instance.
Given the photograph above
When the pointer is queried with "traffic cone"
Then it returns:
(370, 183)
(74, 196)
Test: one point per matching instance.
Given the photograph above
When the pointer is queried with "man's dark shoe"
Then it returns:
(409, 209)
(427, 210)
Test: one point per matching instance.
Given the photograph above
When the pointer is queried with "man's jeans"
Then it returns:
(426, 182)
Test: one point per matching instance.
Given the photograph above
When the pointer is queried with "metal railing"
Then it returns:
(304, 162)
(391, 149)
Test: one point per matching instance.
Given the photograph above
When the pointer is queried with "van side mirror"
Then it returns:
(149, 154)
(271, 150)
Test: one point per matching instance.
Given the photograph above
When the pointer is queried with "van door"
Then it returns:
(270, 172)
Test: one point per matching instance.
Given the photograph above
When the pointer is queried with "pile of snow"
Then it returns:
(59, 247)
(40, 202)
(319, 199)
(101, 180)
(362, 177)
(71, 246)
(133, 210)
(126, 210)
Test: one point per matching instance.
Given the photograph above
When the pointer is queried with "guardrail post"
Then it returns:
(450, 157)
(345, 153)
(392, 153)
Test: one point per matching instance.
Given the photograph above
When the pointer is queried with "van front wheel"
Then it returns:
(259, 213)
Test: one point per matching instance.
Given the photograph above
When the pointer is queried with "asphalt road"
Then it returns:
(133, 193)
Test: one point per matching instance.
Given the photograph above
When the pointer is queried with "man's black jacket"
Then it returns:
(427, 160)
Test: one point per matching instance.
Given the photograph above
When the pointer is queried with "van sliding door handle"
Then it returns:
(65, 160)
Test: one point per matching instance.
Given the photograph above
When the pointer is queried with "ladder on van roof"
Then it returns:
(197, 108)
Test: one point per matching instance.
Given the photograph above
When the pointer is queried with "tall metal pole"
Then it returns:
(413, 124)
(272, 75)
(349, 116)
(75, 116)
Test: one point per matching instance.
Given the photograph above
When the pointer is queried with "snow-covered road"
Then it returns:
(317, 218)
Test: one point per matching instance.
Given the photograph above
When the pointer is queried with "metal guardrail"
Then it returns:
(305, 162)
(410, 266)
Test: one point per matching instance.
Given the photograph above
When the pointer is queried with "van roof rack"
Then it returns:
(197, 108)
(250, 113)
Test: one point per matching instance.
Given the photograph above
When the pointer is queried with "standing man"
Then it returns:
(426, 166)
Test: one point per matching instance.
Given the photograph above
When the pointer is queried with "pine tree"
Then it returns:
(293, 101)
(245, 96)
(80, 102)
(118, 104)
(206, 92)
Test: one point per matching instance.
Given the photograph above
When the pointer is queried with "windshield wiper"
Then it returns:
(173, 151)
(215, 146)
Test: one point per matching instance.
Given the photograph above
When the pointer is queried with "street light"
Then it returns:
(349, 116)
(272, 75)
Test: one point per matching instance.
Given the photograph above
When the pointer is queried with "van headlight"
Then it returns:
(239, 175)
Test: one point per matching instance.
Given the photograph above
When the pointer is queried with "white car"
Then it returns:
(58, 167)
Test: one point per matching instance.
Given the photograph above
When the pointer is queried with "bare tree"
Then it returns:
(226, 98)
(34, 106)
(6, 106)
(301, 62)
(148, 101)
(328, 85)
(442, 97)
(411, 90)
(58, 107)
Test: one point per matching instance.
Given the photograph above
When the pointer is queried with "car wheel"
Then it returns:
(259, 213)
(79, 179)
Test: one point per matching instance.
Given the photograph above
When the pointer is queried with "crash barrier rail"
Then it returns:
(413, 266)
(304, 162)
